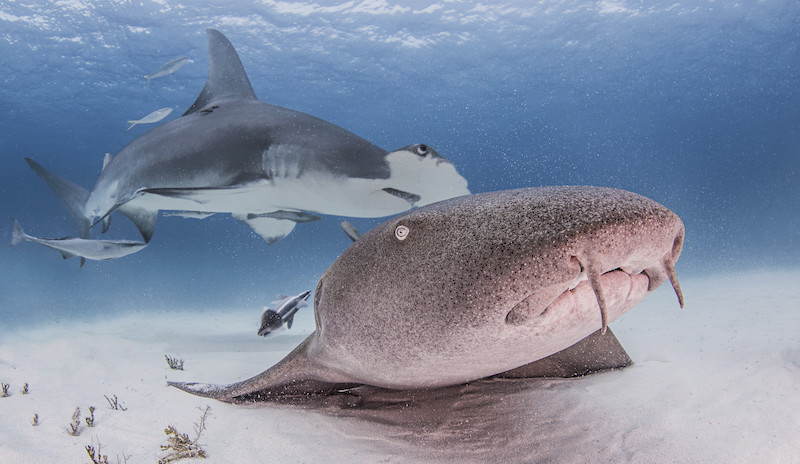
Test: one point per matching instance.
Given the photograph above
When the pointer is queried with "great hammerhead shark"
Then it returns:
(268, 166)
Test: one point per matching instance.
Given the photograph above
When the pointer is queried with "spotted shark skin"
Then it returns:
(518, 281)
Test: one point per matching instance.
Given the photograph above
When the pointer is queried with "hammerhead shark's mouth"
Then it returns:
(411, 198)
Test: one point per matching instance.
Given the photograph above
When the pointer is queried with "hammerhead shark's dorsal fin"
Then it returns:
(226, 77)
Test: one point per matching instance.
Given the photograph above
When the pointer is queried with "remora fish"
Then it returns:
(187, 214)
(151, 118)
(519, 282)
(69, 247)
(167, 68)
(268, 166)
(285, 309)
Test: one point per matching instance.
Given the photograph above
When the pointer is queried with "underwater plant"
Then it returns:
(74, 427)
(180, 446)
(115, 404)
(90, 419)
(174, 363)
(95, 455)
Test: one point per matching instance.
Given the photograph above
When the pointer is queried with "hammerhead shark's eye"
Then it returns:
(401, 232)
(422, 149)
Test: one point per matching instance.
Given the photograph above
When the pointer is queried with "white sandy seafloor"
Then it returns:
(716, 382)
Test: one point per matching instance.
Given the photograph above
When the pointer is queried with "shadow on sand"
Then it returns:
(513, 420)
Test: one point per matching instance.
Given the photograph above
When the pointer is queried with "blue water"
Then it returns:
(695, 104)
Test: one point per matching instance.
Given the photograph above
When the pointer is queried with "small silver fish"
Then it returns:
(155, 116)
(167, 68)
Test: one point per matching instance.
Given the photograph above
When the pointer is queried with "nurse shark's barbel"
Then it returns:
(268, 166)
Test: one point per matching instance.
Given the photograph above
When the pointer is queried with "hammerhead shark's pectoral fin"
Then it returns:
(270, 229)
(597, 352)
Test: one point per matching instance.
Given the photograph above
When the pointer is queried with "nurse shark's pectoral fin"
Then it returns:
(597, 352)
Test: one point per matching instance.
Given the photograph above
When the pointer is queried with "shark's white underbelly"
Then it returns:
(342, 197)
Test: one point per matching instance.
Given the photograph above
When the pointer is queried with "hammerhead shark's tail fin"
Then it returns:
(73, 196)
(17, 234)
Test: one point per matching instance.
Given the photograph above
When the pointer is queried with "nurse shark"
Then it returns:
(269, 167)
(515, 283)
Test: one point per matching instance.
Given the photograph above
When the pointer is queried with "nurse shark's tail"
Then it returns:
(74, 197)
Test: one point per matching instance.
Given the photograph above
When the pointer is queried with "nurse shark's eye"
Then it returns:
(422, 149)
(401, 232)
